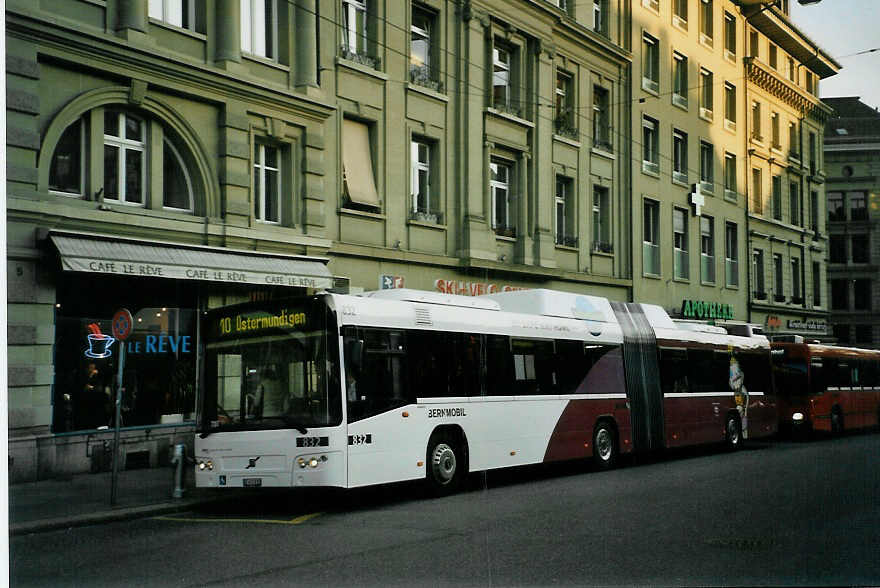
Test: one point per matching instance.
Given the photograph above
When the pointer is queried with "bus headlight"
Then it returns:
(798, 417)
(301, 462)
(313, 462)
(205, 464)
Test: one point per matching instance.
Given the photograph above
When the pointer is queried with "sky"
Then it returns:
(841, 28)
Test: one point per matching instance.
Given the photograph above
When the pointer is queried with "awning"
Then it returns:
(131, 257)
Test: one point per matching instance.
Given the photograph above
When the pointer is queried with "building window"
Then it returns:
(267, 184)
(858, 206)
(817, 284)
(812, 153)
(707, 93)
(794, 148)
(503, 198)
(796, 281)
(651, 238)
(837, 249)
(836, 210)
(841, 333)
(778, 279)
(422, 59)
(357, 162)
(424, 205)
(860, 249)
(775, 140)
(757, 192)
(67, 171)
(840, 294)
(729, 106)
(731, 254)
(706, 22)
(124, 157)
(862, 294)
(776, 187)
(753, 44)
(773, 56)
(679, 156)
(680, 13)
(730, 176)
(814, 211)
(650, 146)
(650, 63)
(679, 80)
(729, 36)
(707, 249)
(503, 78)
(601, 119)
(680, 258)
(601, 224)
(259, 26)
(565, 115)
(599, 11)
(186, 14)
(707, 167)
(756, 121)
(794, 203)
(565, 213)
(354, 30)
(792, 70)
(121, 152)
(810, 82)
(758, 263)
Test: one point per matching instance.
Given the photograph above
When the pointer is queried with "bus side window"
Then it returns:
(701, 364)
(674, 371)
(380, 385)
(869, 373)
(572, 365)
(499, 366)
(533, 366)
(755, 367)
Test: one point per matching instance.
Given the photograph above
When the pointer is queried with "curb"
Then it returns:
(121, 514)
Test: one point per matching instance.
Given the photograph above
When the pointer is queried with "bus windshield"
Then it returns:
(269, 366)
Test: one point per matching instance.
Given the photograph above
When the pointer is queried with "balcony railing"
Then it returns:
(361, 58)
(502, 231)
(603, 247)
(566, 240)
(426, 217)
(707, 268)
(731, 272)
(421, 75)
(564, 127)
(681, 264)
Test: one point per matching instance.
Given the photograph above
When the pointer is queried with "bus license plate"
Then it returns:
(252, 482)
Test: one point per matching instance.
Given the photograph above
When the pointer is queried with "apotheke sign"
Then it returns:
(700, 309)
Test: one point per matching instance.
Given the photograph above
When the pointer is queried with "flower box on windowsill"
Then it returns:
(509, 232)
(426, 217)
(600, 247)
(778, 298)
(797, 300)
(565, 128)
(420, 75)
(760, 296)
(566, 241)
(360, 58)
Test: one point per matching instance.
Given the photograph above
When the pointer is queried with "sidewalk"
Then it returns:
(84, 499)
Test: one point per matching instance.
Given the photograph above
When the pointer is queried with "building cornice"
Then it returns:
(793, 95)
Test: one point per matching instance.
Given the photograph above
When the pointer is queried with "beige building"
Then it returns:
(714, 99)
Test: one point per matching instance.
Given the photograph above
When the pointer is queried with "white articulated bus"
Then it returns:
(393, 385)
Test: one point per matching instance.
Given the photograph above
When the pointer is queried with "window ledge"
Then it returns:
(682, 280)
(362, 213)
(567, 248)
(353, 65)
(602, 254)
(427, 225)
(603, 153)
(505, 238)
(510, 117)
(680, 23)
(652, 276)
(707, 41)
(427, 92)
(707, 115)
(566, 140)
(680, 181)
(177, 29)
(731, 286)
(265, 61)
(680, 102)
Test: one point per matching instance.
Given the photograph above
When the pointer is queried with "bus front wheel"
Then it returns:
(445, 465)
(605, 446)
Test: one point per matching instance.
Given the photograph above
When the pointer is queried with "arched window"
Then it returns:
(125, 148)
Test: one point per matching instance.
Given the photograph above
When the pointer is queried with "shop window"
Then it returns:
(127, 141)
(357, 161)
(158, 365)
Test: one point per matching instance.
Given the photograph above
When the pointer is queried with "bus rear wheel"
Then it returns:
(445, 465)
(605, 446)
(732, 432)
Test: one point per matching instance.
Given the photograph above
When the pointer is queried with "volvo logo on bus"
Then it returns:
(252, 462)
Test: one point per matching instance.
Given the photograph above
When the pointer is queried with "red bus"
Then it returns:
(825, 388)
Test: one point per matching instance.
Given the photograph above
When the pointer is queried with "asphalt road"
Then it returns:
(773, 513)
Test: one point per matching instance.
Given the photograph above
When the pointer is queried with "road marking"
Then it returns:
(296, 521)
